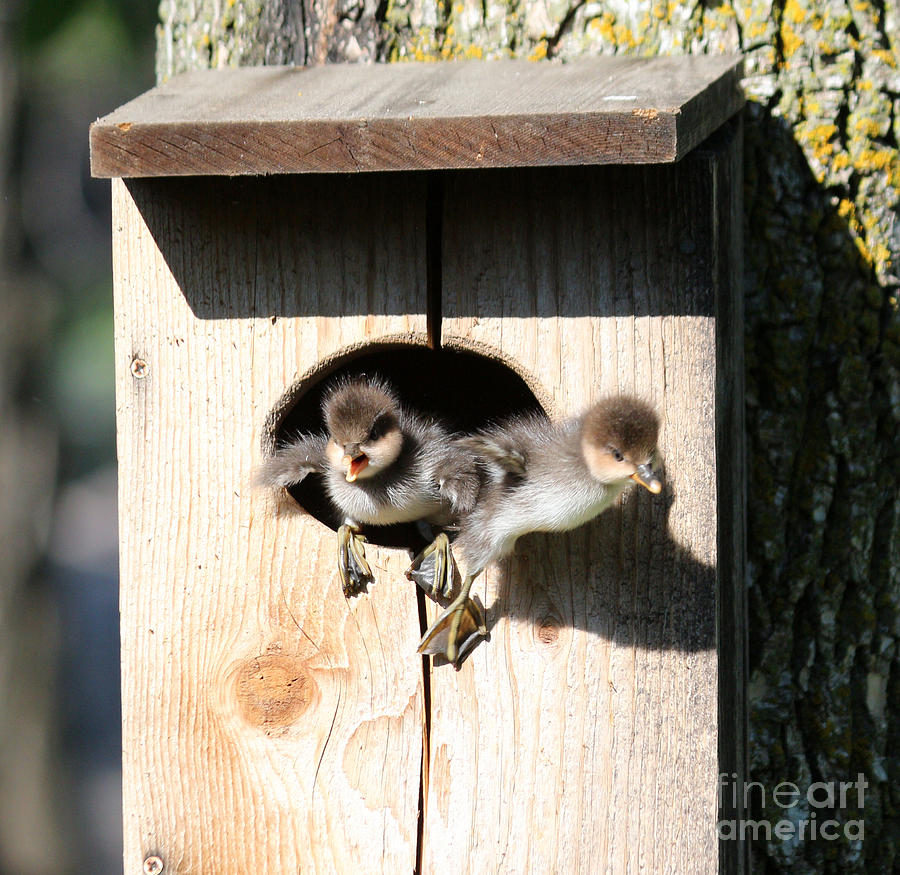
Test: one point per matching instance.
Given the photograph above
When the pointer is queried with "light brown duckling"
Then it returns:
(540, 476)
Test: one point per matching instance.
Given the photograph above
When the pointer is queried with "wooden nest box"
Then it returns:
(492, 237)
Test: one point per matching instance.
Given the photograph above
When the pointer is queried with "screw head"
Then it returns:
(139, 368)
(153, 865)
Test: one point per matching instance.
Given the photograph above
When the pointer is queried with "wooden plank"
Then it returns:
(583, 735)
(419, 116)
(268, 723)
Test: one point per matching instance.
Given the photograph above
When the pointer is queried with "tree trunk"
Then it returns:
(823, 340)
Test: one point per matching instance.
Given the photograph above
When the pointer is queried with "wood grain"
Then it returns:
(269, 725)
(583, 736)
(340, 118)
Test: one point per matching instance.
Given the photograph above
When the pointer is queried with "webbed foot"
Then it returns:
(457, 630)
(434, 569)
(353, 568)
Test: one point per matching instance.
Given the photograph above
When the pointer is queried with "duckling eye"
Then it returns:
(617, 455)
(378, 429)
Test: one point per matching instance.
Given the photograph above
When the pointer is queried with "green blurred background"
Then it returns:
(63, 63)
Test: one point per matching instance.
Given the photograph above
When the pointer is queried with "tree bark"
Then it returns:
(822, 173)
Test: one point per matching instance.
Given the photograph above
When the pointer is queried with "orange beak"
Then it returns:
(645, 476)
(355, 465)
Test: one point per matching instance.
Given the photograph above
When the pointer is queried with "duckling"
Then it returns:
(382, 464)
(540, 476)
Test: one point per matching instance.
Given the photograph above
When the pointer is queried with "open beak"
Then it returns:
(354, 464)
(645, 476)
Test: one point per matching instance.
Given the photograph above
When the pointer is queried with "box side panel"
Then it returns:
(269, 724)
(583, 737)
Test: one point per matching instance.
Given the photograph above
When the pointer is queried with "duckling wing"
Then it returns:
(497, 449)
(292, 462)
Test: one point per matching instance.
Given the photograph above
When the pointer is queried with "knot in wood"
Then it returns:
(273, 690)
(548, 630)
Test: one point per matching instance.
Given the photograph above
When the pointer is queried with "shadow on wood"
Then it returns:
(628, 581)
(278, 232)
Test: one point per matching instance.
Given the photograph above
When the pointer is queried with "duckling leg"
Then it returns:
(354, 571)
(441, 582)
(455, 632)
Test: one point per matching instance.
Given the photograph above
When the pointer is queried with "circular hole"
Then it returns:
(463, 389)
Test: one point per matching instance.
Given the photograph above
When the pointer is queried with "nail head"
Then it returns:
(153, 865)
